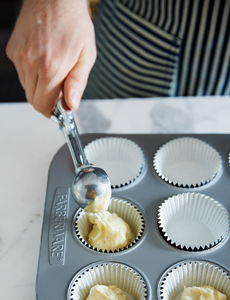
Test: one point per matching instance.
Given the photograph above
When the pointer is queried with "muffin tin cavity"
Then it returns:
(191, 273)
(187, 162)
(121, 158)
(108, 273)
(193, 222)
(129, 212)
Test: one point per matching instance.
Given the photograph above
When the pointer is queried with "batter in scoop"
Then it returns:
(99, 204)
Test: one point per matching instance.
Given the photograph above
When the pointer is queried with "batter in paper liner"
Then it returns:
(202, 293)
(110, 232)
(102, 292)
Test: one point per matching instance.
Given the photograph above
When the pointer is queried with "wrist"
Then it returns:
(43, 5)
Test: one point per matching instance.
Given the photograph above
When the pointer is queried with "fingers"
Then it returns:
(77, 78)
(42, 88)
(16, 58)
(21, 75)
(46, 96)
(31, 81)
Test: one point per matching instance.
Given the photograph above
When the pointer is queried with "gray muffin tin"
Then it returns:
(62, 255)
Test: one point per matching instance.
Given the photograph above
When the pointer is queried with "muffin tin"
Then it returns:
(66, 258)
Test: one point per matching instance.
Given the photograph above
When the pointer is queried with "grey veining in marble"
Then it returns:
(157, 115)
(169, 119)
(91, 119)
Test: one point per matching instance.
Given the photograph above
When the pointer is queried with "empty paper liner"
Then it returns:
(108, 273)
(190, 273)
(193, 222)
(122, 159)
(187, 162)
(129, 212)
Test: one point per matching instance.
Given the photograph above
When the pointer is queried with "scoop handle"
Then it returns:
(67, 125)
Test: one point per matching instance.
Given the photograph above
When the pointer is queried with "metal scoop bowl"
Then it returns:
(90, 182)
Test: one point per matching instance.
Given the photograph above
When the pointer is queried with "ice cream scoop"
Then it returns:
(90, 182)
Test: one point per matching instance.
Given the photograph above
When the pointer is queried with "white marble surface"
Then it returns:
(28, 142)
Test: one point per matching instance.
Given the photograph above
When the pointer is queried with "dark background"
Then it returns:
(10, 88)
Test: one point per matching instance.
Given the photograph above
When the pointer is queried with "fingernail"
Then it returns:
(75, 99)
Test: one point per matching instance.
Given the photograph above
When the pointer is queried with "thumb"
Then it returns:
(75, 83)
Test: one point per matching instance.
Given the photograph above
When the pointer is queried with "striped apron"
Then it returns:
(154, 48)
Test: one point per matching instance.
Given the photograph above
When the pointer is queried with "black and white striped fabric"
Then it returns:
(149, 48)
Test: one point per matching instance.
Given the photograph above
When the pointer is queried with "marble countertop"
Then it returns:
(28, 143)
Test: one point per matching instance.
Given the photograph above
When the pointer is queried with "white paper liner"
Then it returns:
(187, 162)
(193, 222)
(108, 273)
(129, 212)
(191, 273)
(122, 159)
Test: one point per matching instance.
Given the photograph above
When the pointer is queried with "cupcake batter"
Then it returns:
(99, 204)
(110, 232)
(102, 292)
(202, 293)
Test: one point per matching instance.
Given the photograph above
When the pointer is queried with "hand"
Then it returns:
(53, 49)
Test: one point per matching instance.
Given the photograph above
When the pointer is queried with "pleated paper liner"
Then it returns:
(193, 222)
(190, 273)
(122, 159)
(108, 273)
(129, 212)
(187, 162)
